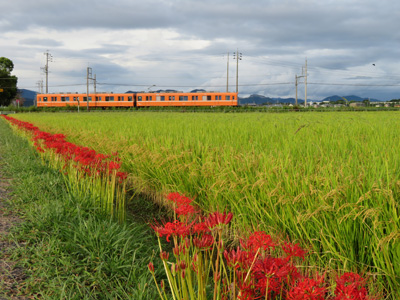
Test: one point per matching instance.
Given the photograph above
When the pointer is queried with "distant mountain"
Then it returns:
(260, 99)
(28, 95)
(349, 98)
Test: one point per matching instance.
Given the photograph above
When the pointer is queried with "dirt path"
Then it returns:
(11, 276)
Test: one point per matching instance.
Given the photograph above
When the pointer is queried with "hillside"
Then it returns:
(28, 95)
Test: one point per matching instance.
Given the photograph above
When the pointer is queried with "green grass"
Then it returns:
(330, 181)
(68, 248)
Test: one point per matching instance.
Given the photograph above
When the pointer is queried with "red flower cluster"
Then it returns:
(182, 204)
(262, 268)
(308, 289)
(174, 229)
(351, 286)
(86, 160)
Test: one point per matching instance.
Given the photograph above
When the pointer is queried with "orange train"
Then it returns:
(139, 99)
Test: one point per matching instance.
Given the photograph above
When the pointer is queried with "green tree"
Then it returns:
(366, 102)
(8, 82)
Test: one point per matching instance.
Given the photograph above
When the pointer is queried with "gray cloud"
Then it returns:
(341, 40)
(40, 42)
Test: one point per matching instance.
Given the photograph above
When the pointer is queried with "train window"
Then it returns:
(53, 98)
(233, 97)
(120, 98)
(218, 97)
(84, 98)
(98, 98)
(44, 99)
(162, 98)
(171, 98)
(183, 98)
(208, 98)
(66, 98)
(195, 97)
(129, 98)
(63, 99)
(139, 98)
(228, 97)
(149, 98)
(111, 98)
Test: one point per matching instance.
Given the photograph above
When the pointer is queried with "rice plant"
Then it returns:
(327, 180)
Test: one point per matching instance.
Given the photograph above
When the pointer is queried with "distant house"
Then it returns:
(356, 104)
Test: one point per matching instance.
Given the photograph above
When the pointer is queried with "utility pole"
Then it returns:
(227, 74)
(237, 56)
(305, 82)
(303, 74)
(296, 77)
(40, 86)
(297, 83)
(94, 85)
(40, 90)
(88, 77)
(49, 58)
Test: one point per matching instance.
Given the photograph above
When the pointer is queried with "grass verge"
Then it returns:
(67, 248)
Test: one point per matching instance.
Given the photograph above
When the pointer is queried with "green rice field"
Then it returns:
(330, 181)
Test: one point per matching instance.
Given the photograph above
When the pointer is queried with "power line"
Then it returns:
(205, 85)
(353, 84)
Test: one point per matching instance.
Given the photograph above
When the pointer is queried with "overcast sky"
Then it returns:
(352, 47)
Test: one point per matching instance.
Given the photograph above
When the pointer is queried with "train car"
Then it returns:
(186, 99)
(140, 99)
(102, 100)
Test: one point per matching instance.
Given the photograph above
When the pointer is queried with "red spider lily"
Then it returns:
(185, 210)
(217, 218)
(179, 250)
(200, 228)
(182, 265)
(164, 255)
(182, 204)
(308, 289)
(87, 160)
(351, 286)
(293, 250)
(258, 239)
(246, 286)
(270, 273)
(239, 259)
(182, 248)
(122, 176)
(204, 243)
(175, 228)
(178, 199)
(151, 267)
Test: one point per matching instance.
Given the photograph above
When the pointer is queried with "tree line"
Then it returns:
(8, 82)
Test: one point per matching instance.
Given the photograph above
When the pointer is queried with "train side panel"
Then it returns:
(95, 100)
(186, 99)
(104, 100)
